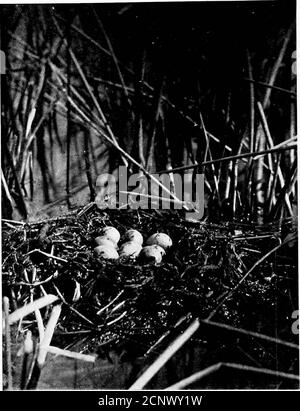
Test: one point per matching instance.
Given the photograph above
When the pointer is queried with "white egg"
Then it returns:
(133, 235)
(102, 240)
(131, 249)
(106, 252)
(161, 239)
(152, 253)
(112, 233)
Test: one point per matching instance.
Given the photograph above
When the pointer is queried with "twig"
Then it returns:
(110, 303)
(36, 250)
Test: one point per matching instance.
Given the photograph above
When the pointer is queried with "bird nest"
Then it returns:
(231, 274)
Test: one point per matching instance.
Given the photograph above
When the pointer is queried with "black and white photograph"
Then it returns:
(149, 199)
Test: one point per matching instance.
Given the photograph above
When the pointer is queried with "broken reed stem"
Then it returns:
(8, 343)
(165, 356)
(31, 307)
(71, 354)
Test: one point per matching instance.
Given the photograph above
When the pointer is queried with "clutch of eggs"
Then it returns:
(132, 246)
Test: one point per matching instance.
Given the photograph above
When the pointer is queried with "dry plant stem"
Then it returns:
(209, 152)
(117, 319)
(110, 303)
(71, 354)
(259, 174)
(31, 307)
(235, 180)
(40, 324)
(261, 83)
(168, 200)
(36, 250)
(252, 105)
(271, 144)
(251, 334)
(272, 193)
(44, 345)
(277, 65)
(166, 334)
(216, 367)
(150, 153)
(13, 221)
(8, 343)
(194, 377)
(6, 189)
(142, 381)
(255, 156)
(87, 37)
(32, 365)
